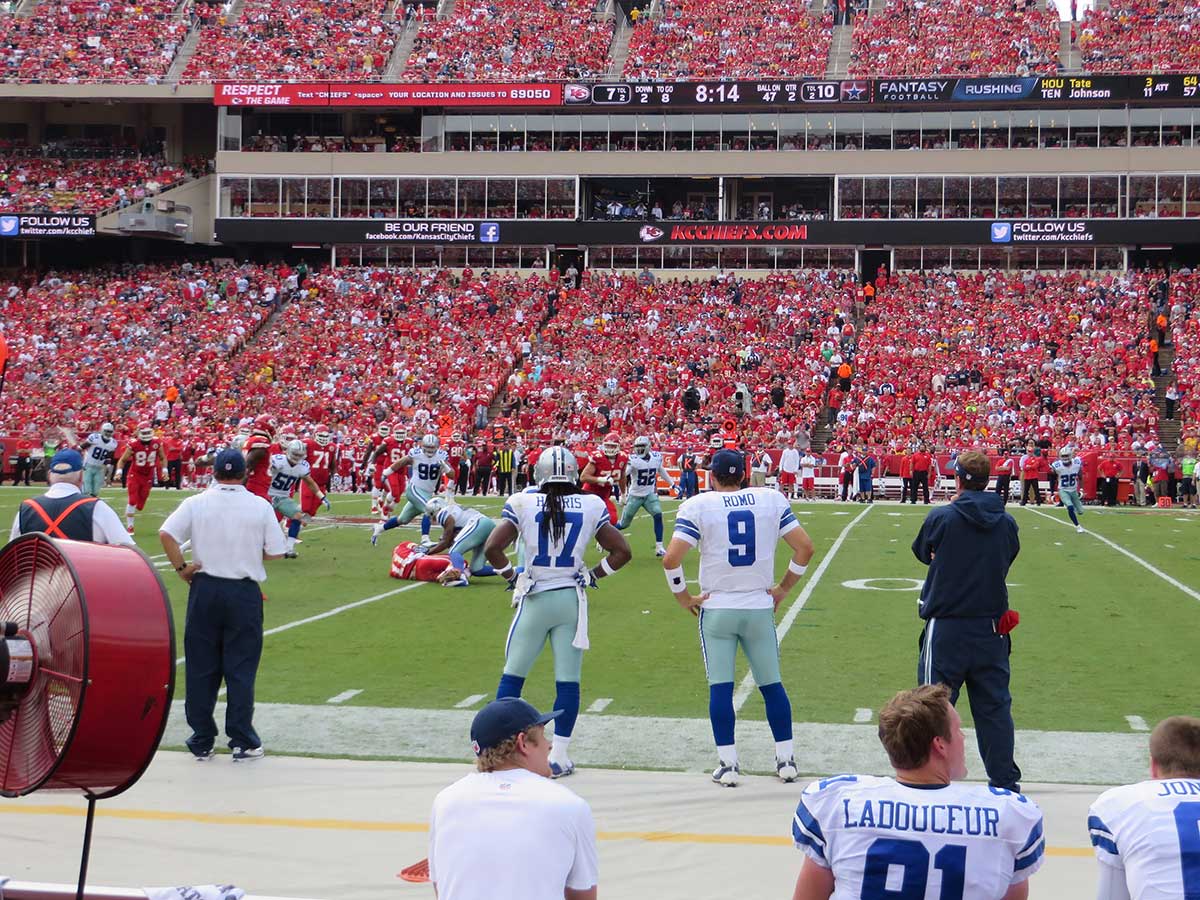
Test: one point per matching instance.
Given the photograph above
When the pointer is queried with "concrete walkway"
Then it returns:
(320, 828)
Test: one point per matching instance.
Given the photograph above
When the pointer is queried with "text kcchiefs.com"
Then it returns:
(724, 233)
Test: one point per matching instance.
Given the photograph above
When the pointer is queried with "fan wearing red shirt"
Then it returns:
(173, 451)
(146, 458)
(319, 452)
(258, 449)
(603, 470)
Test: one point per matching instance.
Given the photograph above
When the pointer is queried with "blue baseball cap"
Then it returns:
(728, 462)
(66, 461)
(504, 718)
(229, 464)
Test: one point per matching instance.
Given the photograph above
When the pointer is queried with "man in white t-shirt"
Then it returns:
(789, 466)
(808, 475)
(507, 830)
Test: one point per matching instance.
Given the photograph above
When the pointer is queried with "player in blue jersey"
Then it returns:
(554, 527)
(464, 530)
(917, 835)
(1069, 469)
(1147, 835)
(639, 489)
(426, 466)
(738, 530)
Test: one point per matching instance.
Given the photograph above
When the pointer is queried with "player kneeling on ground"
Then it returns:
(289, 469)
(1147, 835)
(869, 836)
(738, 530)
(640, 489)
(464, 530)
(554, 527)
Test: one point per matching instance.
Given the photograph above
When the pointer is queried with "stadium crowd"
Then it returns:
(72, 41)
(55, 184)
(710, 39)
(336, 40)
(504, 40)
(988, 37)
(1141, 36)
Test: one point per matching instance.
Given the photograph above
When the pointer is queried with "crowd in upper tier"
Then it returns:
(137, 41)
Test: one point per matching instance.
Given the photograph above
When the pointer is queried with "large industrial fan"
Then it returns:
(87, 669)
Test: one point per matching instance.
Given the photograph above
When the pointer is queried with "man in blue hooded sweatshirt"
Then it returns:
(969, 546)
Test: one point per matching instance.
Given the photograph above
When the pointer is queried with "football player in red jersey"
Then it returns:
(146, 458)
(389, 454)
(603, 470)
(321, 462)
(258, 449)
(410, 563)
(379, 447)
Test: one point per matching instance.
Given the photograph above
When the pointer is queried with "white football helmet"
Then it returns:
(323, 437)
(430, 444)
(296, 451)
(556, 465)
(384, 429)
(107, 430)
(1066, 454)
(435, 505)
(641, 446)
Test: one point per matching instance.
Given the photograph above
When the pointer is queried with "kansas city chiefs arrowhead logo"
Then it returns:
(650, 233)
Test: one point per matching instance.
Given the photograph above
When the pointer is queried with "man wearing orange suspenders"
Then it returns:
(64, 512)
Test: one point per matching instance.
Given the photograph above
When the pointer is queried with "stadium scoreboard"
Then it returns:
(777, 95)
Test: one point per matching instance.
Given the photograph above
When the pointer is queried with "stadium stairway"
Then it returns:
(25, 9)
(186, 51)
(839, 52)
(618, 52)
(402, 51)
(1068, 52)
(1168, 429)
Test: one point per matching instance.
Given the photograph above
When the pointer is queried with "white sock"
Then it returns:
(658, 546)
(728, 754)
(783, 751)
(291, 544)
(129, 521)
(558, 750)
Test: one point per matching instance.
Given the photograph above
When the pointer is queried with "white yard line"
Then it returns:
(781, 630)
(1137, 723)
(335, 611)
(862, 715)
(599, 705)
(344, 696)
(469, 701)
(1174, 582)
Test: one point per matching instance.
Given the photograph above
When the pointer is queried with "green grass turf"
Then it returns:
(1101, 638)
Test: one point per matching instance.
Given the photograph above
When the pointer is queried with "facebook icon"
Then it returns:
(489, 233)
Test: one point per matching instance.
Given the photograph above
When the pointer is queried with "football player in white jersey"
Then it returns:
(554, 527)
(738, 530)
(1069, 469)
(464, 530)
(639, 489)
(917, 835)
(288, 470)
(1147, 835)
(428, 464)
(99, 451)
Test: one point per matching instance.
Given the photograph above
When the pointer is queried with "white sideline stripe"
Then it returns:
(781, 630)
(470, 701)
(1137, 723)
(158, 556)
(344, 696)
(333, 612)
(862, 715)
(1174, 582)
(600, 704)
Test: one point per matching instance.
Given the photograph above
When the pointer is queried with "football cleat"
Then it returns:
(240, 755)
(660, 552)
(1079, 529)
(376, 531)
(786, 770)
(557, 771)
(291, 554)
(426, 542)
(727, 776)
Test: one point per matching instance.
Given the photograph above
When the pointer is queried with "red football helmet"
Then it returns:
(265, 425)
(145, 432)
(611, 445)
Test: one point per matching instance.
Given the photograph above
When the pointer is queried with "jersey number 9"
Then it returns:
(741, 538)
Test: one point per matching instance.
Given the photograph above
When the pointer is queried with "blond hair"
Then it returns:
(501, 756)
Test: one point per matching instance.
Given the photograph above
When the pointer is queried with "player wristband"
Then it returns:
(675, 580)
(795, 568)
(605, 567)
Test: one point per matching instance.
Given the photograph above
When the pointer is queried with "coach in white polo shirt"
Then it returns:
(232, 531)
(507, 832)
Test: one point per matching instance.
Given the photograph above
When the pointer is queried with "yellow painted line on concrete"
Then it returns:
(653, 837)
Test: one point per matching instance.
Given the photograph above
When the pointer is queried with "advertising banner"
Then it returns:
(44, 225)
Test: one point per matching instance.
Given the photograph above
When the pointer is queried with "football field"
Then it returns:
(356, 663)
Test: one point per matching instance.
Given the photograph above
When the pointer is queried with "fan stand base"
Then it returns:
(87, 845)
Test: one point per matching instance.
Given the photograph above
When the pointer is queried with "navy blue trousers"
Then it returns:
(968, 651)
(222, 639)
